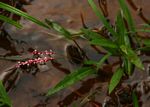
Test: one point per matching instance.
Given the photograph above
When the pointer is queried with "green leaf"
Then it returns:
(130, 21)
(4, 99)
(61, 30)
(97, 39)
(147, 42)
(108, 45)
(144, 49)
(1, 105)
(143, 30)
(21, 13)
(145, 25)
(121, 30)
(132, 56)
(104, 43)
(10, 21)
(72, 78)
(102, 60)
(127, 14)
(102, 18)
(90, 35)
(90, 62)
(115, 79)
(98, 63)
(135, 99)
(128, 66)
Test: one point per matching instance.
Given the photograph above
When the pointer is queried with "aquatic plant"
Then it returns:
(120, 40)
(117, 45)
(38, 60)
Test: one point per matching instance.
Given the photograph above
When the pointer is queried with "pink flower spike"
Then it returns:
(38, 60)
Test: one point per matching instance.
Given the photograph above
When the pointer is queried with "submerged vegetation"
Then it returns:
(120, 40)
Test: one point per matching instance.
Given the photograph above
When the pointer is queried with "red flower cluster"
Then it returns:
(38, 60)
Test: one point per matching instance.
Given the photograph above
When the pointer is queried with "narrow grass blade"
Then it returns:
(135, 99)
(104, 43)
(4, 99)
(102, 60)
(122, 38)
(145, 25)
(96, 39)
(90, 35)
(128, 66)
(127, 14)
(143, 30)
(115, 79)
(90, 62)
(132, 56)
(61, 30)
(147, 42)
(108, 45)
(98, 63)
(102, 18)
(71, 79)
(144, 49)
(10, 21)
(21, 13)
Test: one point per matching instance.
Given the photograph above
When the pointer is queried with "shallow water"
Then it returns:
(29, 89)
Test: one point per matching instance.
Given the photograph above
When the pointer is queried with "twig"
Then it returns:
(139, 11)
(81, 49)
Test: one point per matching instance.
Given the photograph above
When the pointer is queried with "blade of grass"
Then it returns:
(102, 18)
(130, 21)
(90, 35)
(10, 21)
(107, 45)
(128, 66)
(72, 78)
(104, 43)
(147, 42)
(21, 13)
(144, 49)
(98, 63)
(143, 30)
(127, 14)
(145, 25)
(102, 60)
(90, 62)
(132, 56)
(135, 99)
(121, 30)
(115, 79)
(61, 30)
(4, 99)
(96, 39)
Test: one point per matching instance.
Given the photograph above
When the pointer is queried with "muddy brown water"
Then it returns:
(29, 89)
